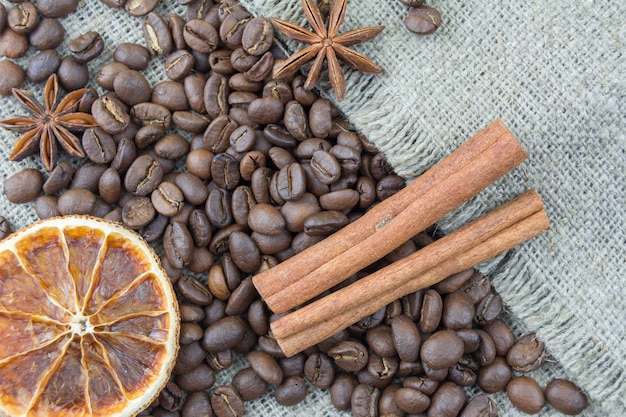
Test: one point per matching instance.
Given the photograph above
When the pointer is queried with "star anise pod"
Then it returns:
(51, 123)
(327, 44)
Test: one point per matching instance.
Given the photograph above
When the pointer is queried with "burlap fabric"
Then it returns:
(555, 73)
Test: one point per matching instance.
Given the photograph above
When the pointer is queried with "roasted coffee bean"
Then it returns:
(216, 138)
(197, 404)
(189, 357)
(480, 406)
(12, 44)
(406, 338)
(179, 64)
(294, 365)
(87, 176)
(478, 287)
(241, 297)
(526, 394)
(56, 8)
(73, 75)
(201, 36)
(194, 89)
(140, 7)
(99, 146)
(86, 101)
(143, 176)
(42, 65)
(126, 154)
(151, 113)
(422, 20)
(266, 219)
(324, 223)
(218, 208)
(281, 157)
(565, 396)
(171, 146)
(257, 318)
(86, 47)
(48, 34)
(388, 186)
(22, 18)
(190, 122)
(225, 171)
(291, 391)
(489, 308)
(320, 118)
(59, 178)
(463, 373)
(319, 370)
(192, 187)
(382, 369)
(411, 400)
(157, 34)
(341, 390)
(265, 367)
(325, 167)
(138, 212)
(339, 200)
(257, 36)
(454, 282)
(442, 349)
(486, 351)
(369, 322)
(12, 76)
(502, 336)
(219, 361)
(171, 397)
(231, 29)
(421, 383)
(364, 401)
(46, 206)
(198, 379)
(447, 401)
(261, 69)
(296, 212)
(244, 252)
(194, 291)
(224, 334)
(431, 311)
(380, 340)
(3, 17)
(219, 60)
(494, 377)
(471, 339)
(197, 9)
(243, 201)
(156, 229)
(249, 385)
(176, 24)
(110, 114)
(76, 201)
(387, 405)
(23, 186)
(216, 93)
(242, 139)
(265, 110)
(458, 311)
(189, 333)
(178, 244)
(226, 402)
(133, 55)
(279, 136)
(108, 72)
(349, 355)
(171, 95)
(167, 199)
(527, 354)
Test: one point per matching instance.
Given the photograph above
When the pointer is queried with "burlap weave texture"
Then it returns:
(555, 72)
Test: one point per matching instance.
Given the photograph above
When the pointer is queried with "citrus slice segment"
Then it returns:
(88, 320)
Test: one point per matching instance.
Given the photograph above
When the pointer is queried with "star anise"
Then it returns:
(51, 123)
(327, 43)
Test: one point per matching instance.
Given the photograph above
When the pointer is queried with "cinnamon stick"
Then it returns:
(472, 167)
(494, 233)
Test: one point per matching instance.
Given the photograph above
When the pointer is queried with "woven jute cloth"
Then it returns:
(555, 73)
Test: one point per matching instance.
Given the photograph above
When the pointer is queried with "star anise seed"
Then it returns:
(51, 123)
(327, 44)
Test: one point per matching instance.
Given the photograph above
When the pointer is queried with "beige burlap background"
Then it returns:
(555, 72)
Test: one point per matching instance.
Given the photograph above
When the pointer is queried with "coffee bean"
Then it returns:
(226, 402)
(171, 95)
(422, 20)
(525, 394)
(151, 113)
(265, 367)
(244, 251)
(320, 118)
(143, 175)
(471, 339)
(171, 397)
(447, 401)
(59, 178)
(325, 167)
(279, 136)
(431, 311)
(167, 199)
(76, 201)
(179, 64)
(349, 355)
(99, 146)
(197, 404)
(527, 354)
(126, 154)
(232, 27)
(480, 406)
(341, 390)
(261, 69)
(319, 370)
(454, 282)
(257, 36)
(154, 231)
(502, 336)
(478, 287)
(295, 212)
(189, 357)
(56, 8)
(12, 76)
(224, 334)
(489, 308)
(217, 135)
(411, 400)
(138, 212)
(199, 378)
(48, 34)
(12, 44)
(46, 206)
(364, 401)
(442, 349)
(566, 397)
(219, 60)
(406, 338)
(42, 65)
(495, 376)
(486, 351)
(140, 7)
(324, 223)
(157, 34)
(241, 297)
(22, 18)
(178, 244)
(86, 47)
(23, 186)
(110, 114)
(458, 311)
(225, 171)
(249, 385)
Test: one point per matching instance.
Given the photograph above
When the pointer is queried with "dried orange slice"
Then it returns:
(88, 320)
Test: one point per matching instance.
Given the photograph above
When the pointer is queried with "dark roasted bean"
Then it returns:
(527, 354)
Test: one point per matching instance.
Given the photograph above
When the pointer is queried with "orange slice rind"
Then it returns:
(89, 320)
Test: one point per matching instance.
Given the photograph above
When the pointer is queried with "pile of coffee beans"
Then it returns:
(421, 19)
(227, 172)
